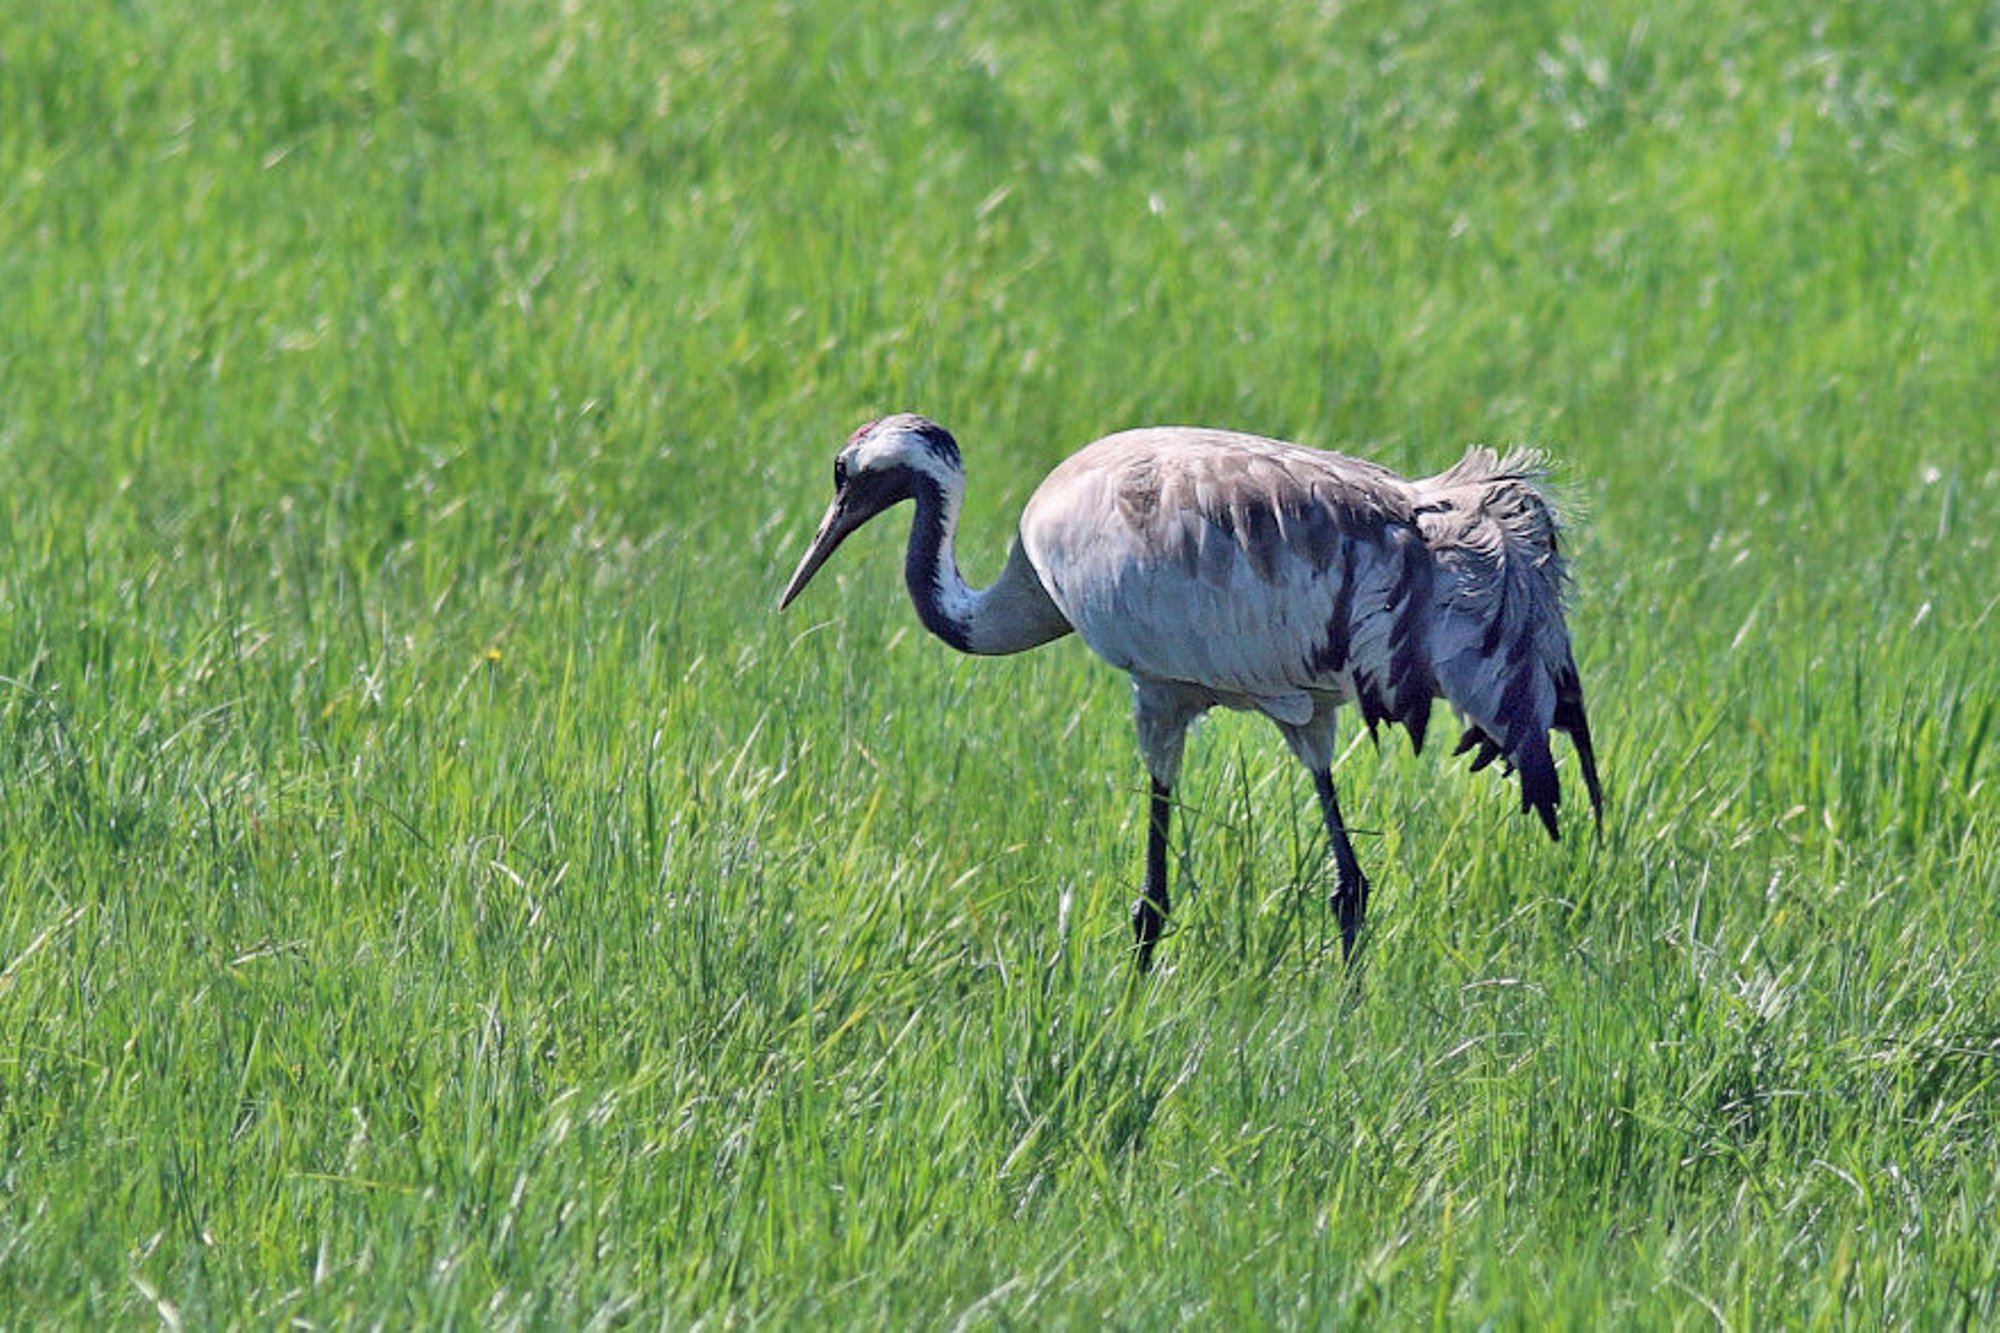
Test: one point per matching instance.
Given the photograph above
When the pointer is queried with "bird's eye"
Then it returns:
(839, 473)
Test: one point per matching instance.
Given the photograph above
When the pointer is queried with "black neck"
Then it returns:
(930, 564)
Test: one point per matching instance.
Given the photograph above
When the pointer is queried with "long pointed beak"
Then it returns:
(833, 529)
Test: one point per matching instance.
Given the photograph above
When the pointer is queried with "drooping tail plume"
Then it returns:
(1499, 643)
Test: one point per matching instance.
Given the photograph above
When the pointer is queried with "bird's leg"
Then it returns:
(1162, 710)
(1350, 894)
(1149, 914)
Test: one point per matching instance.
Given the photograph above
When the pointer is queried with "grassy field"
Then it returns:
(436, 887)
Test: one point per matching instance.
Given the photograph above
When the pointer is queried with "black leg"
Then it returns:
(1149, 914)
(1350, 894)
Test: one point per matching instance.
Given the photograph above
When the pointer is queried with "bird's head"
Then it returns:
(882, 464)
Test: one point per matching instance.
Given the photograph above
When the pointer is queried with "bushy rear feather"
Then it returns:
(1499, 645)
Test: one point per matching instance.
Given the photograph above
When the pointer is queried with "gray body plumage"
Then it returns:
(1223, 569)
(1229, 570)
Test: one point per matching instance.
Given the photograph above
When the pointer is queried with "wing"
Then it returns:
(1243, 565)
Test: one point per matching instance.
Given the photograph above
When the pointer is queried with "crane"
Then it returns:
(1221, 569)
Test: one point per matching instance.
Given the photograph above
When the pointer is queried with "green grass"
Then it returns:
(435, 887)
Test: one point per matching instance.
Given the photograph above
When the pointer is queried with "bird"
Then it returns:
(1231, 570)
